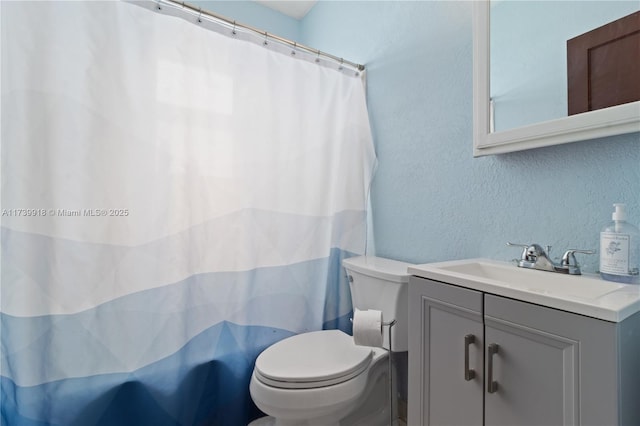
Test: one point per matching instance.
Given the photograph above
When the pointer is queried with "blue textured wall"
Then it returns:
(432, 201)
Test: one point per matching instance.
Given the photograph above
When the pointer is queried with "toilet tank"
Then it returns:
(381, 284)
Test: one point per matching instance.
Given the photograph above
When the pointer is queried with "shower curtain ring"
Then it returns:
(295, 45)
(265, 38)
(318, 57)
(200, 15)
(158, 5)
(233, 31)
(341, 67)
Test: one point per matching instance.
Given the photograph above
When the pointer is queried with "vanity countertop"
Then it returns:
(586, 294)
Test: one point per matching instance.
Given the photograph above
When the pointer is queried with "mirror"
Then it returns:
(529, 55)
(525, 123)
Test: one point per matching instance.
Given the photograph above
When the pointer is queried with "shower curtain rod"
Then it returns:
(283, 40)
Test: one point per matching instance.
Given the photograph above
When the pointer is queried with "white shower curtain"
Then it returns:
(174, 200)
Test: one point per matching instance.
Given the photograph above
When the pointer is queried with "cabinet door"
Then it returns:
(534, 376)
(446, 344)
(551, 367)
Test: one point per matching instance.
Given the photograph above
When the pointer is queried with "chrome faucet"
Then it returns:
(535, 257)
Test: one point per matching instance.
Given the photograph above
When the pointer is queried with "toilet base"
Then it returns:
(263, 421)
(271, 421)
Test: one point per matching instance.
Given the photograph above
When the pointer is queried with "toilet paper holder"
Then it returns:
(389, 324)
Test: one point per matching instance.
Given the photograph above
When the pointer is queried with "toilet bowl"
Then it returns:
(323, 377)
(316, 378)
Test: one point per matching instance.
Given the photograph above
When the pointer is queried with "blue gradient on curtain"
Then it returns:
(205, 381)
(159, 394)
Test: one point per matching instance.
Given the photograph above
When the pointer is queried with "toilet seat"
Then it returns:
(312, 360)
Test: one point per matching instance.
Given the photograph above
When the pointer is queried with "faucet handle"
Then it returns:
(568, 258)
(525, 247)
(569, 262)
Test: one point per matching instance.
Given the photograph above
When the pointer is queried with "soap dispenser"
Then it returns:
(620, 249)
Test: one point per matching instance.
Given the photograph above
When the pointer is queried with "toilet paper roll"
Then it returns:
(367, 328)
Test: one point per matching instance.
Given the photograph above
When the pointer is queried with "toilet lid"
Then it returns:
(310, 360)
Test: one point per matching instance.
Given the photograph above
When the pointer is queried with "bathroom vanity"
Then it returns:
(494, 344)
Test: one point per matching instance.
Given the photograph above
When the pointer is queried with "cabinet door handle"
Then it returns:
(492, 386)
(469, 374)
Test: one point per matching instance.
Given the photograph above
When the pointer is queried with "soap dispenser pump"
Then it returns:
(620, 249)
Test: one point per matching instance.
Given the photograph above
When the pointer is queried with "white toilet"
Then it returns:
(323, 377)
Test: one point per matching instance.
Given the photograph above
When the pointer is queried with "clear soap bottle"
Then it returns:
(620, 249)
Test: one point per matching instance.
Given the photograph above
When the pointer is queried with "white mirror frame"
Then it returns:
(610, 121)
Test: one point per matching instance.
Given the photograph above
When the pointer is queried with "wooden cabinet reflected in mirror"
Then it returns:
(603, 66)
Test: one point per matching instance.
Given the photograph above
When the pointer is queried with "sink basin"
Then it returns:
(582, 294)
(582, 287)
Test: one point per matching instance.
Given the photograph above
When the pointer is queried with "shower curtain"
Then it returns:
(175, 198)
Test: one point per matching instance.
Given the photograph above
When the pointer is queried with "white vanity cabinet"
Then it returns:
(477, 358)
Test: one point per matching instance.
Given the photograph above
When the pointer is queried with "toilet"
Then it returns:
(323, 377)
